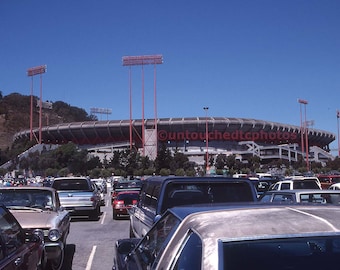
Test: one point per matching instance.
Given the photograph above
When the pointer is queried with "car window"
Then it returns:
(190, 256)
(154, 242)
(27, 198)
(209, 192)
(288, 198)
(70, 184)
(285, 186)
(312, 253)
(305, 185)
(11, 236)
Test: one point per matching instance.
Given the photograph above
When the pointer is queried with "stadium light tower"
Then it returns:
(31, 72)
(206, 138)
(337, 117)
(141, 61)
(303, 130)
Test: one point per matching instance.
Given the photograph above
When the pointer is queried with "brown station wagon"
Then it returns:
(38, 210)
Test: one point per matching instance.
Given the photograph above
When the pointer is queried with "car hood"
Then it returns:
(34, 219)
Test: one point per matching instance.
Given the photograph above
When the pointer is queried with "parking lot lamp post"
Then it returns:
(304, 131)
(337, 117)
(206, 138)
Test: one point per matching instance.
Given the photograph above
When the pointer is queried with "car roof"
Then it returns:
(309, 191)
(128, 192)
(70, 177)
(195, 178)
(260, 220)
(28, 188)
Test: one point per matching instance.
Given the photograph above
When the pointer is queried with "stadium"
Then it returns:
(242, 137)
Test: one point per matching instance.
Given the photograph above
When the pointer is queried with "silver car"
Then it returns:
(38, 210)
(237, 237)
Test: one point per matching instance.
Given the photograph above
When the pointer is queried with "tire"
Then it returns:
(114, 214)
(94, 215)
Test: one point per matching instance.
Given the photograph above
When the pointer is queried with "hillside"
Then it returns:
(15, 115)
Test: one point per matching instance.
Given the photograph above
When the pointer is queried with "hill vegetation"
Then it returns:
(15, 116)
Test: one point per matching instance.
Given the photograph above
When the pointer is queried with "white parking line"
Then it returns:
(89, 262)
(104, 215)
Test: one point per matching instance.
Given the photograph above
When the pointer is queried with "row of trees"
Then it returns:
(69, 158)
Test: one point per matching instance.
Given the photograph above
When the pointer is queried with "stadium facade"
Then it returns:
(243, 137)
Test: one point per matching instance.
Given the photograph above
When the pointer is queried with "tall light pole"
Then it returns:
(31, 72)
(206, 138)
(141, 61)
(337, 117)
(304, 132)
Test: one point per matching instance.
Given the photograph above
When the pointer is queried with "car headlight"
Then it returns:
(54, 235)
(39, 233)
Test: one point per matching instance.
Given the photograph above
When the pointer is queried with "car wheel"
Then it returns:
(94, 215)
(57, 263)
(114, 214)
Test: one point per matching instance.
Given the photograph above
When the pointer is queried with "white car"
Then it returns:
(335, 186)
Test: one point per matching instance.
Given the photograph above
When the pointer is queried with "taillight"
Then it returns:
(118, 204)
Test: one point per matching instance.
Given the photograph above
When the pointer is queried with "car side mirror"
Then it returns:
(126, 247)
(157, 217)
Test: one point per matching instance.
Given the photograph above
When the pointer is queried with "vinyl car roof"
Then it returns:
(259, 220)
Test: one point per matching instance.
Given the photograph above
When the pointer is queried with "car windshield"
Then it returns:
(294, 253)
(41, 199)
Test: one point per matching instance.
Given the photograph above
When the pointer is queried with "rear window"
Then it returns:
(71, 184)
(132, 196)
(177, 194)
(305, 184)
(296, 253)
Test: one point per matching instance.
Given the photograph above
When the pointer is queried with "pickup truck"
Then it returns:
(160, 193)
(78, 195)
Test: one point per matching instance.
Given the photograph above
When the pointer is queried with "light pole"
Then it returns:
(206, 138)
(32, 72)
(337, 117)
(304, 131)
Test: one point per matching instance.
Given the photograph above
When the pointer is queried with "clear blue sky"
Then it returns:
(241, 58)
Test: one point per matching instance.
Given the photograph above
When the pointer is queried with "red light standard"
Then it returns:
(303, 130)
(337, 117)
(31, 72)
(206, 138)
(141, 61)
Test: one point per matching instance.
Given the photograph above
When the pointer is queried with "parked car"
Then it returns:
(124, 201)
(237, 237)
(125, 185)
(297, 183)
(301, 196)
(327, 180)
(335, 186)
(102, 190)
(38, 208)
(160, 193)
(19, 251)
(78, 195)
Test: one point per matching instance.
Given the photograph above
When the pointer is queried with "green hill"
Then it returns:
(15, 115)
